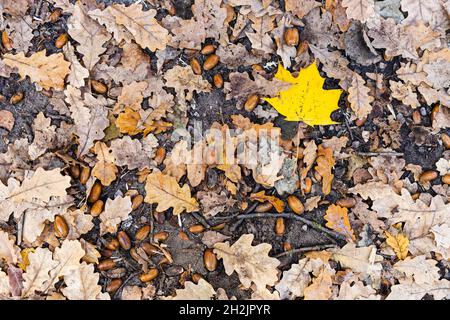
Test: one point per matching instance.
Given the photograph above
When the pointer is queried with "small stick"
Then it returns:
(201, 219)
(305, 249)
(333, 235)
(381, 153)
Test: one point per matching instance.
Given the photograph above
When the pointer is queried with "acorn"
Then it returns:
(142, 233)
(97, 208)
(137, 201)
(251, 102)
(7, 43)
(308, 185)
(295, 204)
(416, 117)
(124, 240)
(197, 228)
(60, 227)
(61, 40)
(211, 62)
(112, 244)
(183, 236)
(218, 80)
(106, 264)
(16, 98)
(160, 155)
(85, 175)
(446, 140)
(196, 67)
(54, 16)
(346, 202)
(291, 37)
(264, 207)
(95, 193)
(113, 285)
(160, 236)
(208, 49)
(446, 179)
(279, 227)
(75, 171)
(149, 248)
(98, 87)
(210, 260)
(149, 276)
(428, 176)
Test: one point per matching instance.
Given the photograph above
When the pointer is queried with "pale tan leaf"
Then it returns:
(165, 191)
(142, 25)
(295, 280)
(37, 276)
(361, 10)
(82, 283)
(424, 271)
(251, 263)
(415, 291)
(115, 212)
(8, 250)
(47, 71)
(105, 169)
(89, 34)
(359, 98)
(201, 291)
(42, 185)
(320, 289)
(77, 72)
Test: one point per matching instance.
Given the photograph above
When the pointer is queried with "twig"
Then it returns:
(201, 219)
(381, 153)
(333, 236)
(305, 249)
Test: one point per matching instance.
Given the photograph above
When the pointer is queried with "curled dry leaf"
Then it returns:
(262, 197)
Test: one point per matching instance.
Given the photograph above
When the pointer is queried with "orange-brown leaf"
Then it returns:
(337, 219)
(262, 197)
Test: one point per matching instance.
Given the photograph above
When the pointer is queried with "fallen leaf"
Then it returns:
(82, 283)
(201, 291)
(165, 191)
(262, 197)
(115, 212)
(47, 71)
(399, 243)
(105, 169)
(305, 100)
(337, 219)
(251, 263)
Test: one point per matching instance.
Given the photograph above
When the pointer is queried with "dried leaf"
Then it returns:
(251, 263)
(399, 243)
(337, 219)
(82, 283)
(105, 169)
(201, 291)
(165, 191)
(359, 97)
(48, 71)
(262, 197)
(115, 212)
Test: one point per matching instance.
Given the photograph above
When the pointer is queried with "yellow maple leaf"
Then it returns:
(399, 244)
(305, 100)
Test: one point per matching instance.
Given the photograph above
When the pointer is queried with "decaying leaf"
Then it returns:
(105, 169)
(337, 219)
(115, 212)
(399, 243)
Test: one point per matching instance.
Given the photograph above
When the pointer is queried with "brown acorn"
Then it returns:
(149, 276)
(60, 227)
(124, 240)
(61, 40)
(210, 260)
(211, 62)
(295, 204)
